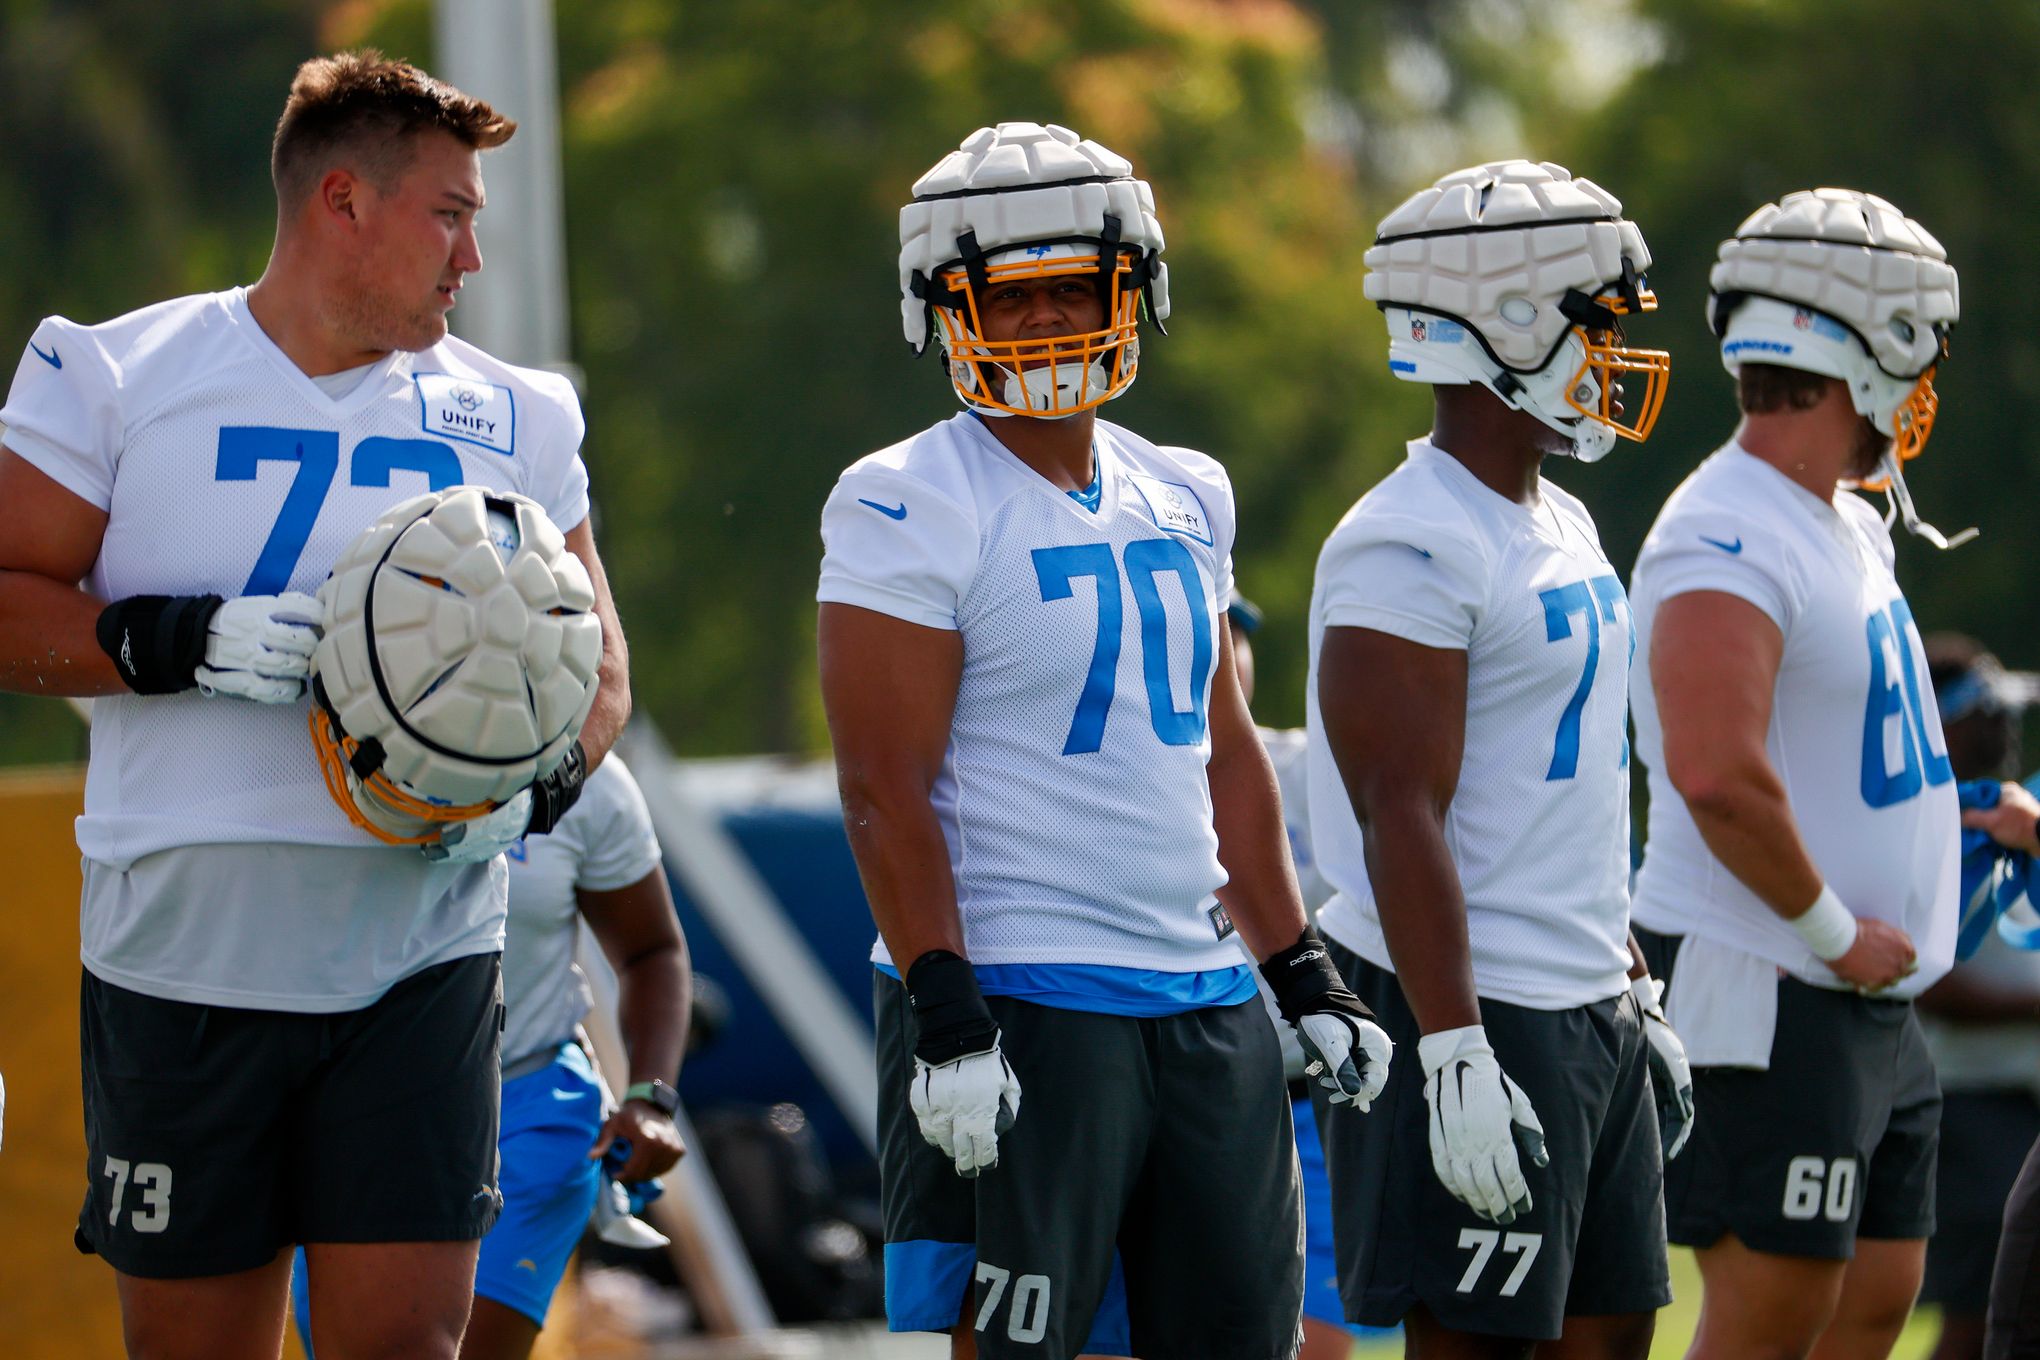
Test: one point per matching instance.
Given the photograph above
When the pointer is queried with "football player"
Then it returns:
(601, 864)
(1059, 808)
(1979, 1022)
(1469, 794)
(290, 1029)
(1803, 853)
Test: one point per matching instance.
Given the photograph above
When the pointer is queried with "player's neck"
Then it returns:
(291, 313)
(1502, 448)
(1811, 448)
(1059, 450)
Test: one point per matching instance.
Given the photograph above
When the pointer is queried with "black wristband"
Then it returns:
(558, 791)
(1305, 982)
(157, 641)
(949, 1011)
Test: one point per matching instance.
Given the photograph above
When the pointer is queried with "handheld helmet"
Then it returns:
(1841, 283)
(1516, 275)
(1022, 201)
(459, 660)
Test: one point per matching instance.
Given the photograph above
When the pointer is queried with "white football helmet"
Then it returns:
(1516, 275)
(1028, 200)
(1841, 283)
(459, 660)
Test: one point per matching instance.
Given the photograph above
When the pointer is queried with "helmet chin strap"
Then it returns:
(1899, 506)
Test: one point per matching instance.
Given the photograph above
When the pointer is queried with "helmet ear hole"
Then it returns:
(1519, 311)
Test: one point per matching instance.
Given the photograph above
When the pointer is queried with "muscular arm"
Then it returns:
(49, 539)
(612, 696)
(1394, 713)
(889, 690)
(1713, 666)
(641, 937)
(1260, 892)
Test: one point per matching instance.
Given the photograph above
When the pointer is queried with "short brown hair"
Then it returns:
(368, 107)
(1765, 389)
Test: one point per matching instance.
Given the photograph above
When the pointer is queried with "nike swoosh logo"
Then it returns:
(1734, 547)
(889, 511)
(1421, 552)
(51, 358)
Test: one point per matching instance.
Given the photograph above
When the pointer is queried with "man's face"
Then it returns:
(416, 243)
(1041, 308)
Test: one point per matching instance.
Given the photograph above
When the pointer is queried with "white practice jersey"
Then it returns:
(1288, 751)
(1854, 735)
(1539, 825)
(605, 842)
(224, 470)
(1073, 792)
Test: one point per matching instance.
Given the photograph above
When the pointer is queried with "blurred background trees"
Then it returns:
(734, 171)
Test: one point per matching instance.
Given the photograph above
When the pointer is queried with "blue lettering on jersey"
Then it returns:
(1599, 596)
(1895, 693)
(1146, 558)
(53, 359)
(317, 455)
(469, 410)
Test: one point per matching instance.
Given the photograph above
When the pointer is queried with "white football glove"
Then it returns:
(1671, 1076)
(485, 837)
(260, 647)
(1476, 1117)
(1346, 1055)
(963, 1107)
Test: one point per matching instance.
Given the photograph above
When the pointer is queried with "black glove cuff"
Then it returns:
(949, 1011)
(1306, 983)
(157, 641)
(558, 791)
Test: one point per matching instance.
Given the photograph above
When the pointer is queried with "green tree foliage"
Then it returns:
(1931, 107)
(734, 176)
(134, 166)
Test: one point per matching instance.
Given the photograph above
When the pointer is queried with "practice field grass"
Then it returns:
(1676, 1322)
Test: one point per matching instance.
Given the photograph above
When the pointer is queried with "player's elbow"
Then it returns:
(1712, 781)
(877, 793)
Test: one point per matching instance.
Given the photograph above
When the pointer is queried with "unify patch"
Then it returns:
(476, 412)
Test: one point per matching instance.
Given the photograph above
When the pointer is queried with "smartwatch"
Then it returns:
(656, 1094)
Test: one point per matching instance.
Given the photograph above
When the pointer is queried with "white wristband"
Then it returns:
(1828, 927)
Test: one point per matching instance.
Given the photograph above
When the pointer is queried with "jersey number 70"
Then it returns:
(1146, 558)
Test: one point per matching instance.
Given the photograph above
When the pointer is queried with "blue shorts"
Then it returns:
(551, 1119)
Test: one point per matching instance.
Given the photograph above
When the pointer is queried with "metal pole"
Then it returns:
(502, 51)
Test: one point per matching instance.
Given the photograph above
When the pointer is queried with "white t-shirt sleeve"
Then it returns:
(1706, 549)
(1410, 579)
(560, 479)
(63, 412)
(621, 848)
(894, 544)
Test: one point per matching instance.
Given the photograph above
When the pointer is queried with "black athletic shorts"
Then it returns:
(1984, 1137)
(1166, 1138)
(217, 1136)
(1593, 1242)
(1834, 1141)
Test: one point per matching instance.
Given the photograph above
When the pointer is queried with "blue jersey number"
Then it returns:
(317, 455)
(1896, 696)
(1588, 599)
(1056, 568)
